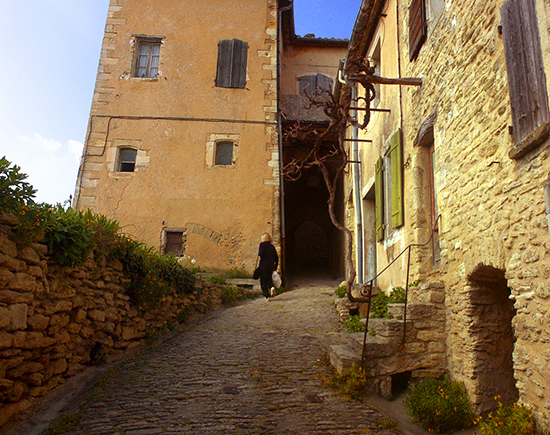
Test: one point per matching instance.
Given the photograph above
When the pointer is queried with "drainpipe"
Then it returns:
(356, 181)
(280, 140)
(547, 200)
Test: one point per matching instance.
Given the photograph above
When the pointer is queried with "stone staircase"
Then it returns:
(389, 360)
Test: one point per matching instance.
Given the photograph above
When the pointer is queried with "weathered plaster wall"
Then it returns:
(492, 207)
(175, 184)
(51, 318)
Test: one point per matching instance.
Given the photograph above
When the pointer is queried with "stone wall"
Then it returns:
(54, 321)
(492, 207)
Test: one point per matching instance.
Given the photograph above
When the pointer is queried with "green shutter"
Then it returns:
(396, 159)
(379, 199)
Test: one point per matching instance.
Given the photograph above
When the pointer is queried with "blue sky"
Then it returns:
(50, 51)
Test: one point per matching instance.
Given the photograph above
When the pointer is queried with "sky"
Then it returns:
(50, 52)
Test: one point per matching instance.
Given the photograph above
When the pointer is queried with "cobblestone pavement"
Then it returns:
(255, 368)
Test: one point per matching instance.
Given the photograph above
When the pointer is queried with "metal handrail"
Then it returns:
(368, 287)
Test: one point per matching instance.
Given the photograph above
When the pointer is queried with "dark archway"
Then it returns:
(492, 339)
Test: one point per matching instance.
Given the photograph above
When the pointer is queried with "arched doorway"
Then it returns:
(311, 250)
(491, 338)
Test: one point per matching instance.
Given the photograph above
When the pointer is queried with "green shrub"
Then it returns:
(354, 324)
(379, 305)
(341, 291)
(216, 280)
(68, 237)
(439, 405)
(509, 420)
(14, 191)
(152, 275)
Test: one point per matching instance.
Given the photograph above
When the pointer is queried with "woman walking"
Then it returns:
(268, 263)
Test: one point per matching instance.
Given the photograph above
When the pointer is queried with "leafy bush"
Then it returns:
(379, 305)
(14, 191)
(68, 237)
(152, 275)
(354, 324)
(439, 405)
(216, 280)
(341, 291)
(509, 420)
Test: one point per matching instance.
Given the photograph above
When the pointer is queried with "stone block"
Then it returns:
(342, 357)
(7, 247)
(5, 317)
(5, 276)
(18, 317)
(38, 322)
(6, 340)
(97, 315)
(28, 255)
(11, 263)
(13, 297)
(22, 281)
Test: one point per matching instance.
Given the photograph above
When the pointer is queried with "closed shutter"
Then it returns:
(240, 52)
(174, 243)
(418, 27)
(526, 78)
(232, 61)
(308, 84)
(379, 199)
(396, 159)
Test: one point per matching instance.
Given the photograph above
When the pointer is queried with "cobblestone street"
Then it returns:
(255, 368)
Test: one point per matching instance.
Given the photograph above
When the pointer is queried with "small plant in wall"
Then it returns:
(354, 324)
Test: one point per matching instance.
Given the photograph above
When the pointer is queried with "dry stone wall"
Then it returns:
(54, 321)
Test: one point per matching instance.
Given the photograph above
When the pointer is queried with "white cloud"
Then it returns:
(75, 148)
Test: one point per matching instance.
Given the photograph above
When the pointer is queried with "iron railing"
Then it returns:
(366, 289)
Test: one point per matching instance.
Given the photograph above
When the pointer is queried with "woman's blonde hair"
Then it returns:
(266, 237)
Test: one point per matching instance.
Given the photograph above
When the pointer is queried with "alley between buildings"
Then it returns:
(255, 368)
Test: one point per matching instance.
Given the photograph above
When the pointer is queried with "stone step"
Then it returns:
(342, 357)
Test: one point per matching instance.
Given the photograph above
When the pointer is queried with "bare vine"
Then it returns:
(328, 150)
(325, 150)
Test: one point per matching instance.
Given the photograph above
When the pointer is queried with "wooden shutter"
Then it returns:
(232, 60)
(379, 199)
(396, 161)
(418, 27)
(526, 78)
(308, 84)
(238, 68)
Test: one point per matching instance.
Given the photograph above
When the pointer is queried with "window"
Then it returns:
(147, 59)
(232, 58)
(375, 58)
(526, 78)
(127, 160)
(173, 242)
(314, 84)
(224, 153)
(389, 211)
(418, 27)
(425, 139)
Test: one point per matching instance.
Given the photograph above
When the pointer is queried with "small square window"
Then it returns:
(127, 160)
(147, 59)
(224, 153)
(174, 243)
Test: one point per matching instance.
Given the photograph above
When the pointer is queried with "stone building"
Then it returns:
(184, 138)
(458, 167)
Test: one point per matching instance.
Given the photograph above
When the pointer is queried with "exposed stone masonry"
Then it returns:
(54, 320)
